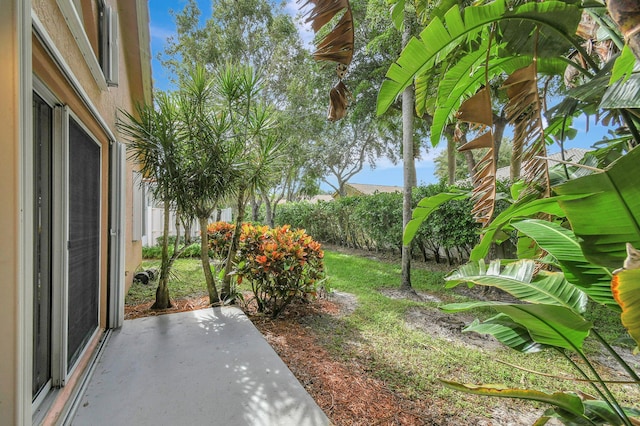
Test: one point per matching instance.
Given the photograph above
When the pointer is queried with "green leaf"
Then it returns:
(452, 308)
(606, 214)
(439, 38)
(517, 279)
(551, 325)
(623, 66)
(425, 207)
(623, 93)
(563, 245)
(518, 210)
(527, 248)
(436, 41)
(397, 14)
(566, 401)
(626, 290)
(507, 331)
(601, 411)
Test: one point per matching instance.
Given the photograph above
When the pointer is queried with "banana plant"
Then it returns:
(550, 318)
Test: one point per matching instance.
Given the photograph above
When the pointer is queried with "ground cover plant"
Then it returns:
(372, 340)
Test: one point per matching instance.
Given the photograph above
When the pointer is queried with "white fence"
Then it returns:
(155, 222)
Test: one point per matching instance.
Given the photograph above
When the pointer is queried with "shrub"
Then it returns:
(193, 250)
(219, 237)
(280, 264)
(374, 222)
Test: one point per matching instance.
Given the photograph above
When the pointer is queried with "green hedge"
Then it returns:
(374, 222)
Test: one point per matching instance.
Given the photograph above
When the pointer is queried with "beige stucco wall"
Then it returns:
(9, 208)
(129, 91)
(15, 271)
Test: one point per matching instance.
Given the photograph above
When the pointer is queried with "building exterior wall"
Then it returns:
(10, 315)
(46, 51)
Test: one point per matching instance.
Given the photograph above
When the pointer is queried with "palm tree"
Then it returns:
(255, 143)
(210, 158)
(154, 144)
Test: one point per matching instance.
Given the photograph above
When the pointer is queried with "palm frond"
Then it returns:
(477, 111)
(524, 111)
(335, 46)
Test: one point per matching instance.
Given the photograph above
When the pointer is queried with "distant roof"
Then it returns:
(573, 155)
(320, 197)
(366, 189)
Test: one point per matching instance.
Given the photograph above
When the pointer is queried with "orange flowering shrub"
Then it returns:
(280, 264)
(219, 234)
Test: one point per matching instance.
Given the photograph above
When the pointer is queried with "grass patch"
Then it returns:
(412, 361)
(186, 282)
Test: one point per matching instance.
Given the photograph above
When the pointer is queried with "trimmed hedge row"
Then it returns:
(374, 222)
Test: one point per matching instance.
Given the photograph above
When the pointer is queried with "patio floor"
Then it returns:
(210, 366)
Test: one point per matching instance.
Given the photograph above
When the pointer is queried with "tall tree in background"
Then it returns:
(262, 35)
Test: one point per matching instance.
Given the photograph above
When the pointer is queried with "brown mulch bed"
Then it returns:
(343, 389)
(180, 305)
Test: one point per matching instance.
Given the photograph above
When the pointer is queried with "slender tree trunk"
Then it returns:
(162, 292)
(206, 265)
(255, 209)
(268, 215)
(468, 156)
(451, 160)
(408, 164)
(233, 247)
(499, 124)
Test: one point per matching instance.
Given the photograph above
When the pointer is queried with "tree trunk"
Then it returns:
(162, 292)
(233, 247)
(255, 209)
(451, 160)
(268, 215)
(499, 124)
(206, 265)
(408, 161)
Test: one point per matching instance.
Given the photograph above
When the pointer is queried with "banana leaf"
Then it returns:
(566, 401)
(598, 411)
(518, 210)
(425, 207)
(550, 325)
(507, 332)
(440, 38)
(563, 245)
(518, 280)
(606, 214)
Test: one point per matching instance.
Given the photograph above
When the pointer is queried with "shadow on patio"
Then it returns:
(201, 367)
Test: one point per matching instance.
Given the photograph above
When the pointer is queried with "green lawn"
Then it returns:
(187, 281)
(410, 360)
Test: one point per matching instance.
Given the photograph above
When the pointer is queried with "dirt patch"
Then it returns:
(416, 296)
(448, 327)
(346, 302)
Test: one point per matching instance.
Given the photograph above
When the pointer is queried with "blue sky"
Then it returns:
(385, 173)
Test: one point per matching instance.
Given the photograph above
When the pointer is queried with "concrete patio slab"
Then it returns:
(206, 367)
